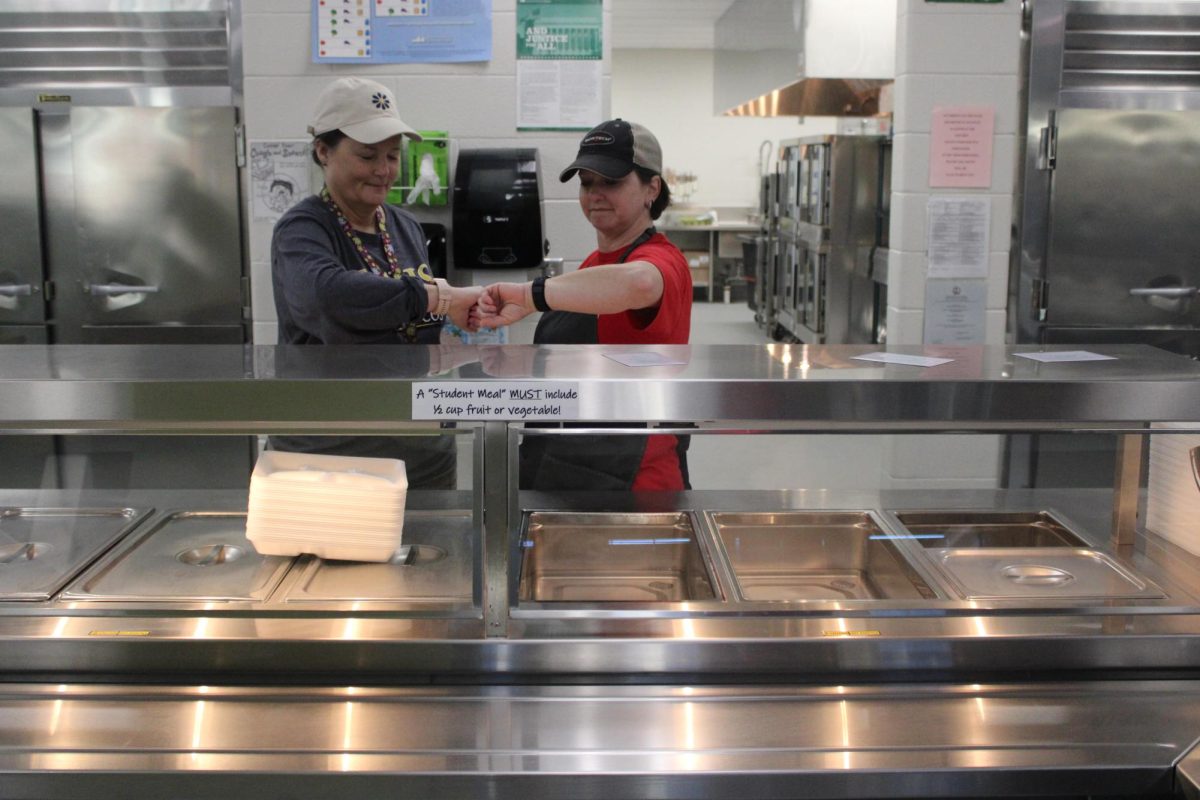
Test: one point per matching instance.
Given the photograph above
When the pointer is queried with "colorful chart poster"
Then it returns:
(401, 31)
(560, 47)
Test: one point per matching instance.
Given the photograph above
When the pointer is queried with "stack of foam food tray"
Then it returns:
(335, 507)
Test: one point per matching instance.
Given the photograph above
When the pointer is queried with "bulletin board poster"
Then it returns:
(401, 31)
(560, 48)
(279, 176)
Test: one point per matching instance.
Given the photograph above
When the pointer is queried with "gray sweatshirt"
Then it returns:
(325, 295)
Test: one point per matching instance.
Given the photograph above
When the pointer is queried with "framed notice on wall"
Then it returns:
(560, 47)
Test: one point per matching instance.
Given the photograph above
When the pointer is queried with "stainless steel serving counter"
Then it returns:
(602, 741)
(501, 661)
(149, 388)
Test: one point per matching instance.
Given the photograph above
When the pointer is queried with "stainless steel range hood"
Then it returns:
(822, 58)
(817, 97)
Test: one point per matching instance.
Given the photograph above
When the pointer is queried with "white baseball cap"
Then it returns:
(362, 109)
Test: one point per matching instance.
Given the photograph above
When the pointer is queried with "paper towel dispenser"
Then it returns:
(498, 209)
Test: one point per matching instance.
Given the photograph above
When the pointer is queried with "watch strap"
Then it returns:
(538, 290)
(444, 297)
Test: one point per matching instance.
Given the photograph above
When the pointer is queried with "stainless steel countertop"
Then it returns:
(65, 387)
(734, 225)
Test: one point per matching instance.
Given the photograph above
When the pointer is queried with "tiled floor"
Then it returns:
(725, 323)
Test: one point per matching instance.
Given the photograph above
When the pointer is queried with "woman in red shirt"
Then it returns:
(635, 288)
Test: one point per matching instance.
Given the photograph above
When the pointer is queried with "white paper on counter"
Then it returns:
(1065, 355)
(899, 358)
(643, 359)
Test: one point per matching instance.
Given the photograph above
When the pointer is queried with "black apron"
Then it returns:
(585, 463)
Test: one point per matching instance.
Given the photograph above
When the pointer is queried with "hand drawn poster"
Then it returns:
(279, 176)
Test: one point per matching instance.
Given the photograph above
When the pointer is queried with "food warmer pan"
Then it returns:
(1022, 556)
(612, 557)
(185, 556)
(42, 549)
(938, 529)
(434, 565)
(822, 555)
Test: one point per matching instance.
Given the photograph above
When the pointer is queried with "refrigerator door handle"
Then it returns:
(1194, 455)
(16, 289)
(110, 289)
(1165, 291)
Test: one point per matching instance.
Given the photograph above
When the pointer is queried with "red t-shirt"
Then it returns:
(671, 324)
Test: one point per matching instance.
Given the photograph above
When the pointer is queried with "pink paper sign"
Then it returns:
(960, 148)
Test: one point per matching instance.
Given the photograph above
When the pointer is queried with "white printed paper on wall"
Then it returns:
(958, 236)
(279, 176)
(955, 312)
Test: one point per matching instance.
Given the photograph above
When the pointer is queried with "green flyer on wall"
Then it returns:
(560, 29)
(560, 44)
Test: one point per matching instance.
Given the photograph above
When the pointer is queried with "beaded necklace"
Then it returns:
(393, 263)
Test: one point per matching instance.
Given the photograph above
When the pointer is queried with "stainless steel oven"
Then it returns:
(830, 202)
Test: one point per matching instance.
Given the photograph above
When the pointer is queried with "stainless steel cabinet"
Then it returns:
(140, 213)
(1107, 234)
(22, 301)
(125, 227)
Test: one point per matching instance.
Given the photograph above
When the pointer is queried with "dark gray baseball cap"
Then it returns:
(614, 148)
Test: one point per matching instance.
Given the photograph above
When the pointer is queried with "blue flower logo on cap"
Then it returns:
(381, 101)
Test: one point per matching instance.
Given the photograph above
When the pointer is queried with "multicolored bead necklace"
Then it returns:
(393, 263)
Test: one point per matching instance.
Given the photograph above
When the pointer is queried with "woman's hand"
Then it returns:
(503, 304)
(462, 306)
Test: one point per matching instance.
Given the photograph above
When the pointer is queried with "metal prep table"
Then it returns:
(123, 673)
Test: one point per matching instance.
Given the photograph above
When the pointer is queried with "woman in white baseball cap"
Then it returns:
(347, 268)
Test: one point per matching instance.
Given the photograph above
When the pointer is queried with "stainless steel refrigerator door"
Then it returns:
(1124, 243)
(22, 304)
(156, 221)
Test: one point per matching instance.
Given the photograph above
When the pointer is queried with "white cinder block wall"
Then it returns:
(475, 102)
(723, 152)
(949, 54)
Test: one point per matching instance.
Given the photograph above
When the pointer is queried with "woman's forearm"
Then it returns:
(605, 289)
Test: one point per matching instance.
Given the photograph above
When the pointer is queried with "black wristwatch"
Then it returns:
(538, 290)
